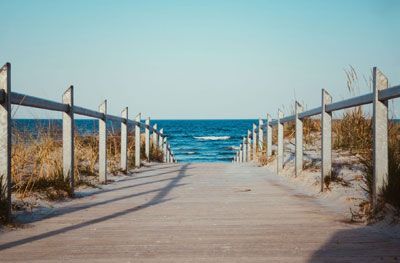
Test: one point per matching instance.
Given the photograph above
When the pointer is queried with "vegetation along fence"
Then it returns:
(68, 109)
(379, 97)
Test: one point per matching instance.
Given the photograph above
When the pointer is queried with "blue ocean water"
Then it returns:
(190, 140)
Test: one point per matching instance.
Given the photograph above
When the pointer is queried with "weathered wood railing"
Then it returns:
(380, 96)
(69, 109)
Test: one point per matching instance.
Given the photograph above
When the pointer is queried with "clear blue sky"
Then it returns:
(196, 59)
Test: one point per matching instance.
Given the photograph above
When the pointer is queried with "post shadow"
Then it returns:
(162, 193)
(361, 244)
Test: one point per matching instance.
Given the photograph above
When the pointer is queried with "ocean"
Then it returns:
(190, 140)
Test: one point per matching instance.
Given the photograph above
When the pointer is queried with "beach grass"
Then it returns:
(36, 163)
(352, 133)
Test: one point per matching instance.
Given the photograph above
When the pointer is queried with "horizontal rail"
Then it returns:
(348, 103)
(114, 118)
(390, 93)
(288, 118)
(384, 95)
(34, 102)
(30, 101)
(87, 112)
(310, 113)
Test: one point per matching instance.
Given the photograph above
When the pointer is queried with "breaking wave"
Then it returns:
(212, 138)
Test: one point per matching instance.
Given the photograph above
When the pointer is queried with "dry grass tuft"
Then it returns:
(37, 162)
(311, 126)
(353, 132)
(3, 202)
(391, 192)
(36, 165)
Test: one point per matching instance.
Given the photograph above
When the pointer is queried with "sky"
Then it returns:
(196, 59)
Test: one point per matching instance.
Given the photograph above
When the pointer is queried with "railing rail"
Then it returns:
(379, 97)
(67, 107)
(35, 102)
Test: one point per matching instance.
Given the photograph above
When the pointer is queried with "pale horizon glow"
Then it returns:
(196, 59)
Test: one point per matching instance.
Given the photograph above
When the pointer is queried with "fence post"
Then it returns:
(5, 134)
(155, 136)
(298, 139)
(124, 140)
(260, 134)
(269, 135)
(68, 137)
(380, 136)
(160, 139)
(147, 139)
(244, 149)
(103, 143)
(165, 150)
(241, 153)
(137, 141)
(326, 140)
(279, 157)
(248, 145)
(255, 141)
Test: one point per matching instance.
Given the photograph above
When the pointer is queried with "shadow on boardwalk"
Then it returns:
(358, 245)
(162, 193)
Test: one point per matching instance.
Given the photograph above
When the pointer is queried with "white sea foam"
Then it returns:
(233, 147)
(212, 138)
(190, 153)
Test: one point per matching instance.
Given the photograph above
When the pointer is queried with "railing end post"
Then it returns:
(68, 138)
(5, 138)
(103, 143)
(380, 137)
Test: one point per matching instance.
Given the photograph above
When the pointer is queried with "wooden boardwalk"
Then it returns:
(196, 213)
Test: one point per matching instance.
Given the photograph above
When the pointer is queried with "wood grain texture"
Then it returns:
(196, 213)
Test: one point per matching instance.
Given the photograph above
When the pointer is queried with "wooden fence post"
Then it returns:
(155, 136)
(248, 146)
(280, 157)
(326, 138)
(167, 155)
(147, 139)
(124, 140)
(269, 135)
(260, 134)
(244, 149)
(241, 153)
(5, 135)
(137, 140)
(161, 139)
(103, 143)
(298, 139)
(380, 137)
(255, 141)
(68, 137)
(165, 150)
